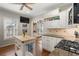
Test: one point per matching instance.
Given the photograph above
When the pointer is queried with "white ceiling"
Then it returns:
(38, 8)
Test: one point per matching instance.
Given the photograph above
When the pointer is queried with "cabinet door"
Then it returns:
(49, 43)
(44, 42)
(53, 42)
(54, 24)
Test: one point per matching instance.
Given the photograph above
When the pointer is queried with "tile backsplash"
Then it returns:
(62, 31)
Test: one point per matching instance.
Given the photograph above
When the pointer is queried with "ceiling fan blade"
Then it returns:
(28, 7)
(22, 7)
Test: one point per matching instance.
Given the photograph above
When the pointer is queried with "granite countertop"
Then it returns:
(60, 52)
(66, 37)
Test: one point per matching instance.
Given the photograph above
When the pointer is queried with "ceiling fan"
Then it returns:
(27, 5)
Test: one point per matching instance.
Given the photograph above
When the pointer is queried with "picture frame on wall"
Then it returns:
(52, 18)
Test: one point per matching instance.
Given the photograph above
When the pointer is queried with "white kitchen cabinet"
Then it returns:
(60, 23)
(48, 43)
(52, 24)
(44, 42)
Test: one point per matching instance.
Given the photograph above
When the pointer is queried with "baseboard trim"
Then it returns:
(6, 45)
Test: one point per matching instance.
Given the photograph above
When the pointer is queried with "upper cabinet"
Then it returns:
(61, 17)
(63, 21)
(76, 13)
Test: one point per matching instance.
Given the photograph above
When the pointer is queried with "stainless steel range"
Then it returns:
(67, 45)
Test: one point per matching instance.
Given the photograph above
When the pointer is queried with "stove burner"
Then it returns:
(68, 46)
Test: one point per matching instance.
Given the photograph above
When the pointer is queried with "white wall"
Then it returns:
(3, 15)
(13, 16)
(63, 18)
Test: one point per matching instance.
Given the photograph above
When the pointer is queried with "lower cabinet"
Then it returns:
(48, 43)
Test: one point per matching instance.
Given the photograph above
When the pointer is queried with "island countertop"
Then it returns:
(26, 38)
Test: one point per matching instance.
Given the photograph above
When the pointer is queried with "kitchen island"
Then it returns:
(25, 45)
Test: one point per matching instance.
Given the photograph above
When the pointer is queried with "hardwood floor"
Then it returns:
(7, 51)
(10, 50)
(45, 53)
